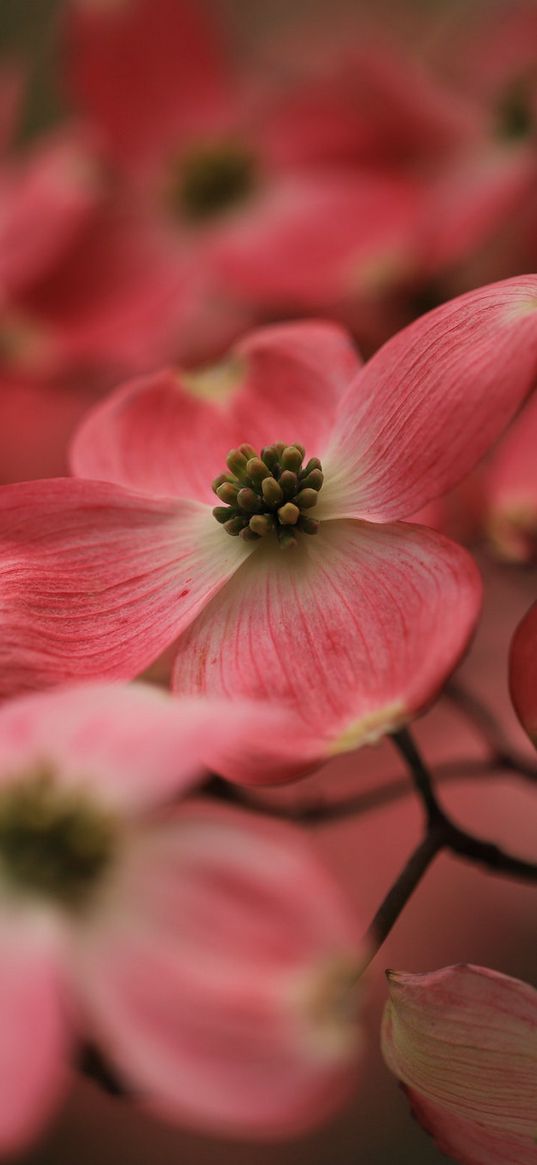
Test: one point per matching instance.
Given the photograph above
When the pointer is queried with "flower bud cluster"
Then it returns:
(269, 493)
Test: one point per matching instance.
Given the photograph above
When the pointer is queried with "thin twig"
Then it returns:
(480, 717)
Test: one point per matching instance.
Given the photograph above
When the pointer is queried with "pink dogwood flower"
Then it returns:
(323, 599)
(523, 672)
(203, 949)
(204, 151)
(463, 1042)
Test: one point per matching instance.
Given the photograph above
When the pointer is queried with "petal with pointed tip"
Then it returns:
(464, 1041)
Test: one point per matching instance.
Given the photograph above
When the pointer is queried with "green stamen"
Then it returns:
(269, 494)
(54, 841)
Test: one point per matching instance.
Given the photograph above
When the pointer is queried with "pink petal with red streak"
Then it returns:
(354, 631)
(96, 581)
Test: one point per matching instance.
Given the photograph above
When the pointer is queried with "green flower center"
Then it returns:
(212, 179)
(271, 493)
(54, 841)
(515, 114)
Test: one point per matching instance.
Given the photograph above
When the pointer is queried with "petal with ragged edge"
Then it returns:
(216, 975)
(170, 433)
(35, 1045)
(96, 581)
(431, 401)
(523, 672)
(463, 1040)
(354, 630)
(132, 746)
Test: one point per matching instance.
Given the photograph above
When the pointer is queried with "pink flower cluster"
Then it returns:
(246, 511)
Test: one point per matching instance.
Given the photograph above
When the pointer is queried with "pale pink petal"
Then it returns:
(432, 400)
(465, 1141)
(96, 581)
(34, 1048)
(511, 490)
(170, 433)
(145, 72)
(523, 672)
(213, 974)
(133, 745)
(355, 630)
(464, 1040)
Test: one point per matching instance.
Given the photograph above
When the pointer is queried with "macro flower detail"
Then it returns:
(138, 918)
(99, 575)
(463, 1042)
(272, 493)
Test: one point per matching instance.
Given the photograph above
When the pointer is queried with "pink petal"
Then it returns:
(132, 745)
(313, 239)
(523, 672)
(474, 198)
(511, 490)
(36, 422)
(432, 400)
(34, 1046)
(355, 631)
(203, 977)
(468, 1142)
(95, 581)
(168, 43)
(48, 199)
(464, 1041)
(170, 433)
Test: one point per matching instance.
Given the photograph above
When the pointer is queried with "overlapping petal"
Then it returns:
(432, 400)
(523, 672)
(355, 631)
(463, 1041)
(132, 746)
(170, 433)
(96, 581)
(215, 976)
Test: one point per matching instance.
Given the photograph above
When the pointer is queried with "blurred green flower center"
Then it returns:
(211, 180)
(54, 841)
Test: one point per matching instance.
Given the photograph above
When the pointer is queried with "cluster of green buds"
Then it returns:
(270, 493)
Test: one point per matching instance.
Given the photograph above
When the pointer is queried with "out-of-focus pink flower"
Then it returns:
(355, 628)
(463, 1042)
(207, 952)
(208, 154)
(523, 672)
